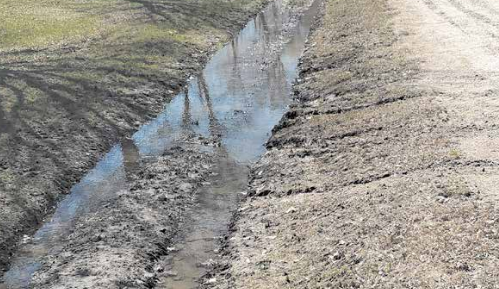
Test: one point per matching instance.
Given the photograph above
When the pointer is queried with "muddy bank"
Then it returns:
(124, 243)
(156, 218)
(64, 104)
(379, 175)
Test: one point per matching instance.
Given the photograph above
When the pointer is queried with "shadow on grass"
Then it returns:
(190, 14)
(61, 108)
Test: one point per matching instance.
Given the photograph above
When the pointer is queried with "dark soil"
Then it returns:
(64, 106)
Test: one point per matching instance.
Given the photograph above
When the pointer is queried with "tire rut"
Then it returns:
(486, 25)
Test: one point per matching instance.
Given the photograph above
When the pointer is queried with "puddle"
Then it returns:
(239, 97)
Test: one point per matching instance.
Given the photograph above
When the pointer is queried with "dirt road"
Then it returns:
(384, 173)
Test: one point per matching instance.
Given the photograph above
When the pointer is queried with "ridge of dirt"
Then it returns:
(382, 173)
(62, 106)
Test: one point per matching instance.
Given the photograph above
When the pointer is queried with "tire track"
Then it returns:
(486, 5)
(472, 23)
(475, 15)
(435, 9)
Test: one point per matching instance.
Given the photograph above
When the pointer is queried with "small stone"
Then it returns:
(337, 256)
(211, 281)
(171, 273)
(291, 210)
(26, 239)
(159, 268)
(97, 238)
(207, 264)
(463, 267)
(186, 187)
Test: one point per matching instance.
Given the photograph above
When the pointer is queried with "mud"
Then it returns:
(143, 217)
(381, 174)
(64, 106)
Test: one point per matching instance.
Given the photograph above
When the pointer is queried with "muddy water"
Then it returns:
(237, 99)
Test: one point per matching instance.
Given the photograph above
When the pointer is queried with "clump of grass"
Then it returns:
(455, 154)
(457, 187)
(7, 177)
(7, 99)
(33, 95)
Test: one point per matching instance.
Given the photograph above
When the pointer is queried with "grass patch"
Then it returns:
(455, 154)
(28, 24)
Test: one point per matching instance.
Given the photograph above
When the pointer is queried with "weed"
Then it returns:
(455, 154)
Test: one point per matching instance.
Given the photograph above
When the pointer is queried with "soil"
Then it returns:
(64, 105)
(163, 224)
(126, 242)
(383, 172)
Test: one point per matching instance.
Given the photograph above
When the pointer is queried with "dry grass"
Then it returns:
(363, 185)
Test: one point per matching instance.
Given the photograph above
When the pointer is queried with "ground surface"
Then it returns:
(140, 236)
(384, 172)
(125, 243)
(77, 76)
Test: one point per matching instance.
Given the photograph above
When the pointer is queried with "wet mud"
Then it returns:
(64, 108)
(153, 210)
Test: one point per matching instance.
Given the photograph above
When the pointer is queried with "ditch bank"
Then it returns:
(381, 174)
(149, 214)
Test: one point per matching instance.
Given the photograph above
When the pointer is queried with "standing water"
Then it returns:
(238, 98)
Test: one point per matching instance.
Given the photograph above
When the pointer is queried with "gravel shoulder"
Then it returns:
(76, 78)
(382, 173)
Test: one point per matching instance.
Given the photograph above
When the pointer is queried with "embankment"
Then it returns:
(381, 174)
